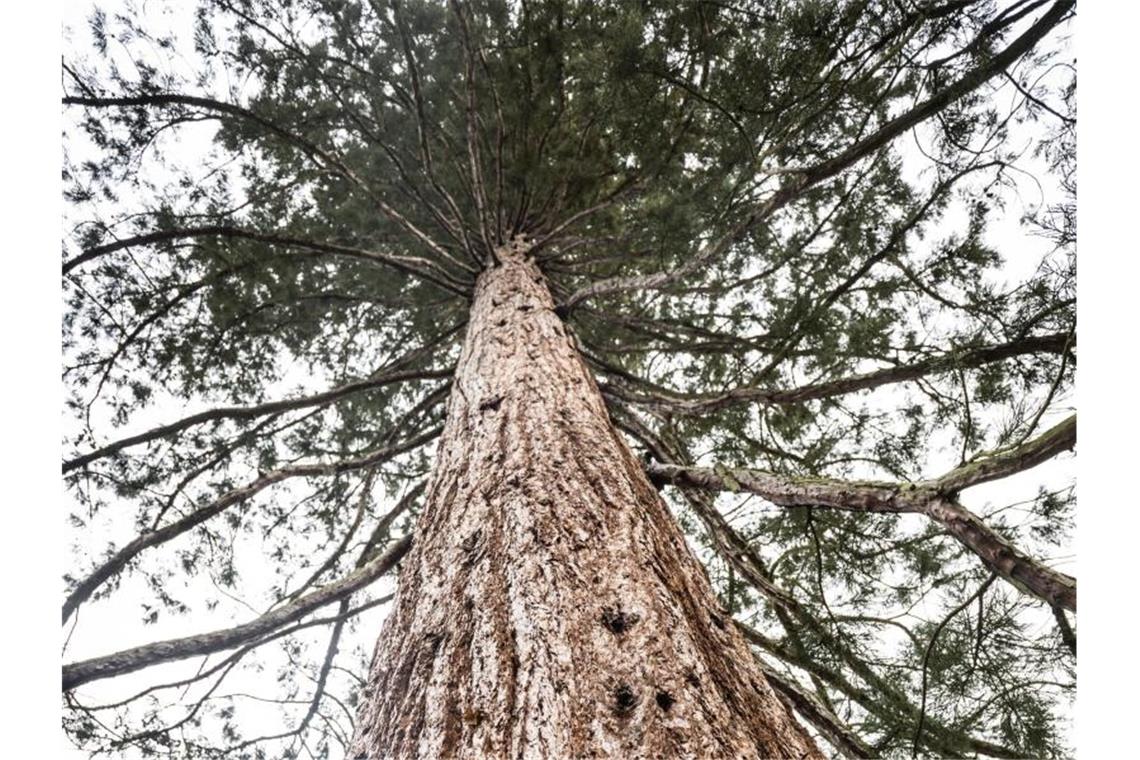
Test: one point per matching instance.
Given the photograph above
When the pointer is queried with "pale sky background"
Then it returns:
(1108, 277)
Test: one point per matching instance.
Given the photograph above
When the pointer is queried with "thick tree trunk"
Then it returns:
(550, 607)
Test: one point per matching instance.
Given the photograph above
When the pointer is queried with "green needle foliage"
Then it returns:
(832, 242)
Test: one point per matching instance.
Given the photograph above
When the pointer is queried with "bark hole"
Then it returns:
(693, 680)
(618, 621)
(468, 544)
(433, 641)
(665, 700)
(491, 404)
(624, 699)
(717, 621)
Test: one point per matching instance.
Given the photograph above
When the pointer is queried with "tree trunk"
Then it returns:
(550, 607)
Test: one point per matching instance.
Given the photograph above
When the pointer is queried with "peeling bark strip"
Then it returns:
(550, 607)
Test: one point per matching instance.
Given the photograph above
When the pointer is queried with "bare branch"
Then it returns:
(1022, 571)
(1061, 437)
(151, 538)
(129, 660)
(258, 410)
(414, 265)
(816, 713)
(966, 358)
(933, 498)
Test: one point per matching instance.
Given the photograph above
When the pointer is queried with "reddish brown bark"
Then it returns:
(550, 607)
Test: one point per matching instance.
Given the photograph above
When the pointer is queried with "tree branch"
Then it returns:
(966, 358)
(151, 538)
(129, 660)
(313, 151)
(1061, 437)
(414, 265)
(802, 179)
(966, 84)
(934, 498)
(258, 410)
(816, 713)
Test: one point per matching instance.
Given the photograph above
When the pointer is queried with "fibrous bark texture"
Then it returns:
(550, 607)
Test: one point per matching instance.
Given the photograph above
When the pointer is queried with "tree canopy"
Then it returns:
(819, 256)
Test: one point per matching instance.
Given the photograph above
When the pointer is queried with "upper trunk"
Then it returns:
(550, 606)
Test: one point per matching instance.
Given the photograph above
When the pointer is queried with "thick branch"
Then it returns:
(129, 660)
(967, 358)
(146, 540)
(1044, 447)
(788, 491)
(998, 554)
(816, 713)
(933, 498)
